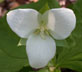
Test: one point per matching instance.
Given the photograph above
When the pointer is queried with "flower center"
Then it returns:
(42, 29)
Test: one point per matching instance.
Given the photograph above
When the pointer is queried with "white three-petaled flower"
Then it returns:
(29, 23)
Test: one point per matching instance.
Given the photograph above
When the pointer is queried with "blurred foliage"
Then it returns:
(1, 1)
(69, 52)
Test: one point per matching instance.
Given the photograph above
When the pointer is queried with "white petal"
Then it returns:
(40, 51)
(23, 21)
(63, 22)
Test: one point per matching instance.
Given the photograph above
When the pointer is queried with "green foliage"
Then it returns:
(43, 70)
(11, 57)
(69, 51)
(53, 4)
(57, 70)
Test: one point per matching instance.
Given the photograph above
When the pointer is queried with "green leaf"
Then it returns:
(11, 56)
(44, 9)
(68, 56)
(10, 64)
(9, 41)
(57, 70)
(61, 43)
(53, 4)
(43, 70)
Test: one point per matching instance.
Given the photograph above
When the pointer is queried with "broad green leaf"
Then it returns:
(10, 64)
(74, 65)
(12, 57)
(9, 41)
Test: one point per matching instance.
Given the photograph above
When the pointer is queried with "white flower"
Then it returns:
(29, 23)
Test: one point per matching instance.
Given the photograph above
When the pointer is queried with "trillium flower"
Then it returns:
(38, 28)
